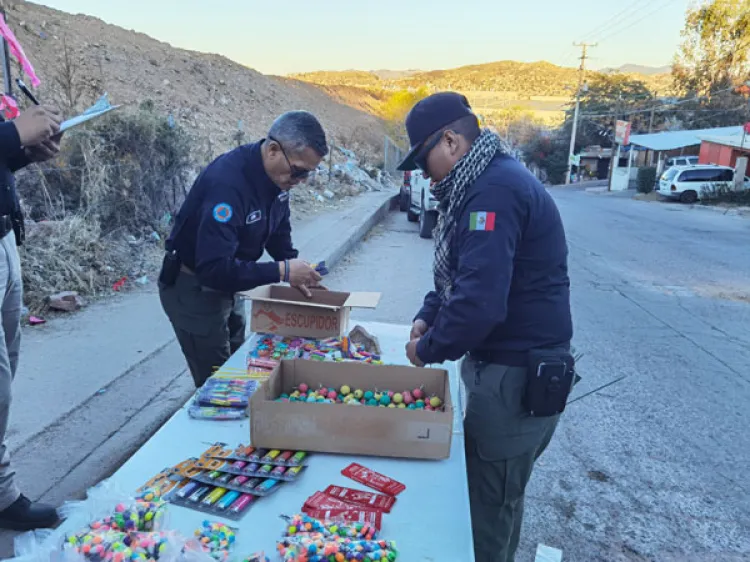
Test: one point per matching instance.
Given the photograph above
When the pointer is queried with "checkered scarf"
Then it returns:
(450, 193)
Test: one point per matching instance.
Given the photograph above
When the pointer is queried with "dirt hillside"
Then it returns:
(206, 93)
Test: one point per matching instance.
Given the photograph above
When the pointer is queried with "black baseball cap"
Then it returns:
(429, 115)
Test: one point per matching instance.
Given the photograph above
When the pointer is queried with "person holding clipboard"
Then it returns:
(33, 136)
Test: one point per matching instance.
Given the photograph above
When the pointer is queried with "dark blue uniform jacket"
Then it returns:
(12, 158)
(511, 291)
(231, 214)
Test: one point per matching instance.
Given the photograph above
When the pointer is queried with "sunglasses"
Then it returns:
(296, 172)
(421, 158)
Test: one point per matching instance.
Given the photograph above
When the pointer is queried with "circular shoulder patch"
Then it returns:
(223, 212)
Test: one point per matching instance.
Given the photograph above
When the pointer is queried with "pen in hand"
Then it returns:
(27, 92)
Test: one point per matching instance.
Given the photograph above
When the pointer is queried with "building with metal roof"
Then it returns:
(676, 140)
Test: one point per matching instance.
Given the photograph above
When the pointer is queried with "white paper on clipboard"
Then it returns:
(101, 107)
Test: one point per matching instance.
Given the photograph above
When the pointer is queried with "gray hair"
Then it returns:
(297, 130)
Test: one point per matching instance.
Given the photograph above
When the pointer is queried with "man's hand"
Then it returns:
(45, 150)
(302, 276)
(411, 353)
(38, 124)
(418, 329)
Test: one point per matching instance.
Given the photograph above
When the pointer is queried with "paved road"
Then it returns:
(654, 466)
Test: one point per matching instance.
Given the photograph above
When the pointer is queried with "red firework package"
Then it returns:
(370, 500)
(373, 518)
(322, 501)
(373, 479)
(260, 363)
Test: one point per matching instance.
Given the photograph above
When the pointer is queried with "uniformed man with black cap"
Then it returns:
(31, 137)
(237, 208)
(501, 302)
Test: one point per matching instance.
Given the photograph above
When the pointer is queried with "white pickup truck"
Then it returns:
(418, 202)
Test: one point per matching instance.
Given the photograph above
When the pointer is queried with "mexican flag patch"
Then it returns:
(482, 221)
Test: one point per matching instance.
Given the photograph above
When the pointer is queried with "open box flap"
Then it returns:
(337, 300)
(266, 294)
(295, 303)
(363, 300)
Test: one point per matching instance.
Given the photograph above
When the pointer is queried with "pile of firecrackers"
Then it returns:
(415, 399)
(271, 349)
(137, 531)
(225, 396)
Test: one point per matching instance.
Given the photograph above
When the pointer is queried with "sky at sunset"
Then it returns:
(290, 36)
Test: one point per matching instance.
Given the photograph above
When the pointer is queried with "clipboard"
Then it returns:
(101, 107)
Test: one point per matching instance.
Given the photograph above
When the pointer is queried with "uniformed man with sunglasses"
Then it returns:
(237, 208)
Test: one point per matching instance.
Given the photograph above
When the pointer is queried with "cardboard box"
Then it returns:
(284, 310)
(354, 430)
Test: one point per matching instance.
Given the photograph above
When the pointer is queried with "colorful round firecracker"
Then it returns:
(140, 516)
(302, 524)
(216, 539)
(336, 550)
(409, 399)
(116, 546)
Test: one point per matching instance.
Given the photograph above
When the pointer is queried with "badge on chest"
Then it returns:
(254, 217)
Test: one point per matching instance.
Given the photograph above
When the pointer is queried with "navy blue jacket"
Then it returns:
(511, 291)
(12, 158)
(231, 214)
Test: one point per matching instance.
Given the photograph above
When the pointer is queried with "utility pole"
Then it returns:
(650, 130)
(581, 85)
(615, 160)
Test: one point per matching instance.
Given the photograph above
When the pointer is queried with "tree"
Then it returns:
(715, 51)
(608, 98)
(713, 62)
(516, 123)
(395, 109)
(548, 152)
(72, 87)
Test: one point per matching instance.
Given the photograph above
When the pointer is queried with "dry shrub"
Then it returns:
(98, 211)
(126, 170)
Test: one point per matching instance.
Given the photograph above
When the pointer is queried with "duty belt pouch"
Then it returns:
(170, 268)
(549, 382)
(18, 227)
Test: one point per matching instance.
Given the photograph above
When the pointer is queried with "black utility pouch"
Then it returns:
(170, 269)
(19, 227)
(550, 379)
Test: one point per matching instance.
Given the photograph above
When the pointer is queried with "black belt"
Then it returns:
(509, 358)
(6, 225)
(506, 357)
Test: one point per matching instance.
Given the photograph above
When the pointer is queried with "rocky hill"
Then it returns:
(523, 80)
(496, 90)
(78, 57)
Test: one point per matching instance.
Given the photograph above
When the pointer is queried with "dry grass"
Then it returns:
(100, 211)
(72, 255)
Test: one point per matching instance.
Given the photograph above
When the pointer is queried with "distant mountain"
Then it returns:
(639, 69)
(394, 74)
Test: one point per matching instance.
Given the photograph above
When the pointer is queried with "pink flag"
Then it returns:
(8, 107)
(17, 50)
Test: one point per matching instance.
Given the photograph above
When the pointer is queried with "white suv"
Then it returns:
(680, 161)
(422, 205)
(686, 183)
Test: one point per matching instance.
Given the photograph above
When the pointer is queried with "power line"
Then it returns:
(648, 14)
(661, 106)
(615, 20)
